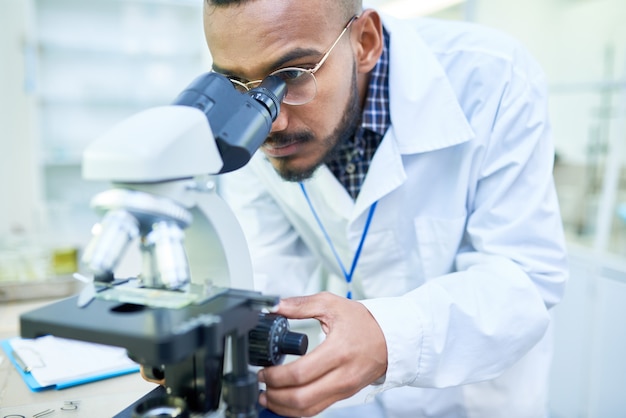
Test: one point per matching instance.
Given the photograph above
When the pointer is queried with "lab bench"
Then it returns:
(103, 399)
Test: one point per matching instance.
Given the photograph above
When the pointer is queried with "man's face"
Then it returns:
(254, 39)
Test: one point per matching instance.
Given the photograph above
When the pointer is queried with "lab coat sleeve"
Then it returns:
(276, 250)
(472, 324)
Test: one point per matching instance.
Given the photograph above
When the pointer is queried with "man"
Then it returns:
(408, 174)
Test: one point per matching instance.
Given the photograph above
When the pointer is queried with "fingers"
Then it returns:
(306, 307)
(353, 355)
(310, 367)
(310, 400)
(337, 374)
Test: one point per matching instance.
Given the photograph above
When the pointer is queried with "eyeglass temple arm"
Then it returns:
(327, 54)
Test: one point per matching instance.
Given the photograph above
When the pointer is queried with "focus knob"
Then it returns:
(271, 340)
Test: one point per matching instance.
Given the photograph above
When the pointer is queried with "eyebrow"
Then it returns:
(289, 56)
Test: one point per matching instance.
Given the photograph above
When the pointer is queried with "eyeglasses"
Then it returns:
(301, 82)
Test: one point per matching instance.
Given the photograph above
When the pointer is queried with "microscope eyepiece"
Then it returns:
(270, 93)
(240, 122)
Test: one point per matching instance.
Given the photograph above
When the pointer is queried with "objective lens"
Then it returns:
(170, 260)
(109, 242)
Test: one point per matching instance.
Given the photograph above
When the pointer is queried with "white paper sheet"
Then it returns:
(52, 360)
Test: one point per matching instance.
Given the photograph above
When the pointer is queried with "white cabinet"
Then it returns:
(589, 367)
(607, 375)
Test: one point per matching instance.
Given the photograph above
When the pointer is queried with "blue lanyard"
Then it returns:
(348, 276)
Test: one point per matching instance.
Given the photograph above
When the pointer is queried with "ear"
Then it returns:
(367, 37)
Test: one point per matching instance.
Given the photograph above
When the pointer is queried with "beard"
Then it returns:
(343, 132)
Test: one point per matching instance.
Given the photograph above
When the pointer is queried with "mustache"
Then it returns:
(281, 139)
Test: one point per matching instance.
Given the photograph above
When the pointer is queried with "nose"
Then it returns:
(282, 120)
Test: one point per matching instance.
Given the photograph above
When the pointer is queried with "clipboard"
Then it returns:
(64, 382)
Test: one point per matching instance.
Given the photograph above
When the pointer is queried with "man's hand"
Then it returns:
(353, 355)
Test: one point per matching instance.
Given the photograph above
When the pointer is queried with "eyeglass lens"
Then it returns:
(301, 85)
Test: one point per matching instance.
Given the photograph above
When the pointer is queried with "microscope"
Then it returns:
(190, 316)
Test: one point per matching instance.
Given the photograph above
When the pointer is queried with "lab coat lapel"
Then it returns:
(425, 111)
(420, 94)
(333, 192)
(386, 173)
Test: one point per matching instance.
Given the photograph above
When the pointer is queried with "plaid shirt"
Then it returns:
(354, 157)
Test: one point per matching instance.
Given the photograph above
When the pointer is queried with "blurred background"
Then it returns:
(69, 69)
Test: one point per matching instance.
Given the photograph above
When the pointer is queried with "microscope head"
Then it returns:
(211, 128)
(158, 144)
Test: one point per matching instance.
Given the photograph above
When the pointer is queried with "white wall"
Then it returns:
(20, 191)
(69, 70)
(573, 40)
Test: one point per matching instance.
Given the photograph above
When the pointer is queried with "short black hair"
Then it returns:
(350, 7)
(218, 3)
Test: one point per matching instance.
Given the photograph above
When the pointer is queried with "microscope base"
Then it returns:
(160, 392)
(188, 343)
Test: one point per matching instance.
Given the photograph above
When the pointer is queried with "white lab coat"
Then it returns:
(465, 253)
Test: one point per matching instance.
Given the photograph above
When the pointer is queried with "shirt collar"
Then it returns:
(376, 110)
